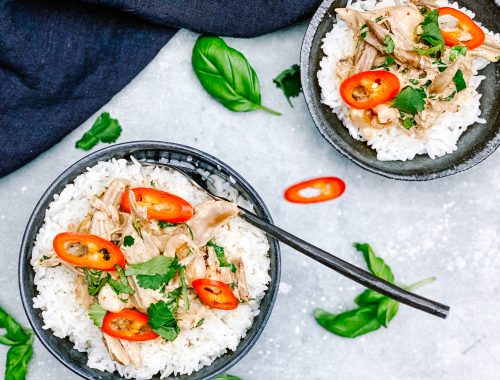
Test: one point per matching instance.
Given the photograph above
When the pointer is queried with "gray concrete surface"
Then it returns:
(447, 228)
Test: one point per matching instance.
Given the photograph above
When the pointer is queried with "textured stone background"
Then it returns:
(448, 228)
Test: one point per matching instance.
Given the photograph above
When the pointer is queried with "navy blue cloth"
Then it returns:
(60, 61)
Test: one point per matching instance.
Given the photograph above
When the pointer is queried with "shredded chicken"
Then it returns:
(109, 300)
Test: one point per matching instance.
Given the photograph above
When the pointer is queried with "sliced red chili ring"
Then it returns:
(88, 251)
(465, 26)
(215, 294)
(368, 89)
(128, 324)
(323, 189)
(159, 204)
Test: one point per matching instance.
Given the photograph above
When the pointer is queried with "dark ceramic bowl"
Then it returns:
(477, 143)
(149, 151)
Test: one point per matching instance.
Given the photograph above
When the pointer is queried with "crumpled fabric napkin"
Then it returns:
(61, 60)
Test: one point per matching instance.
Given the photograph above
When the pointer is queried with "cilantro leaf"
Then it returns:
(105, 129)
(289, 82)
(162, 321)
(431, 33)
(157, 265)
(410, 100)
(430, 51)
(408, 122)
(219, 252)
(163, 224)
(96, 314)
(128, 241)
(389, 44)
(459, 80)
(151, 281)
(457, 50)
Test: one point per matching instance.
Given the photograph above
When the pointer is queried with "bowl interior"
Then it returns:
(151, 152)
(477, 143)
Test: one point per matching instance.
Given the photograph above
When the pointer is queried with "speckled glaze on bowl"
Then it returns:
(476, 144)
(152, 152)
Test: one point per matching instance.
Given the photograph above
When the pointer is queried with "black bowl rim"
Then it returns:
(320, 124)
(92, 159)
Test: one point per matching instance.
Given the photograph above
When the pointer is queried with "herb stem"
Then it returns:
(420, 283)
(269, 110)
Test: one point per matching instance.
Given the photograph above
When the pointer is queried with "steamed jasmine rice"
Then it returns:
(195, 346)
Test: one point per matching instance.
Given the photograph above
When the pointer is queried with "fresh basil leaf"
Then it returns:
(15, 333)
(221, 257)
(387, 309)
(96, 314)
(289, 82)
(18, 357)
(375, 264)
(128, 241)
(459, 81)
(162, 224)
(389, 44)
(157, 265)
(104, 129)
(431, 33)
(95, 280)
(410, 100)
(226, 75)
(368, 297)
(162, 321)
(349, 324)
(227, 377)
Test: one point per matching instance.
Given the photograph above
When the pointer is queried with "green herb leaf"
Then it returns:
(289, 82)
(387, 309)
(163, 224)
(414, 82)
(368, 297)
(158, 265)
(95, 280)
(226, 75)
(162, 321)
(96, 314)
(122, 285)
(449, 97)
(219, 252)
(147, 281)
(128, 241)
(200, 322)
(379, 18)
(408, 122)
(431, 33)
(18, 357)
(389, 44)
(349, 324)
(364, 31)
(227, 377)
(410, 100)
(375, 264)
(459, 80)
(432, 51)
(104, 129)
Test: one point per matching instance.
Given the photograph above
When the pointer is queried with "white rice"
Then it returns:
(193, 349)
(393, 143)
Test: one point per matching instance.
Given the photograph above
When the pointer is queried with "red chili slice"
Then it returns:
(128, 324)
(328, 187)
(465, 25)
(88, 251)
(160, 204)
(215, 294)
(368, 89)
